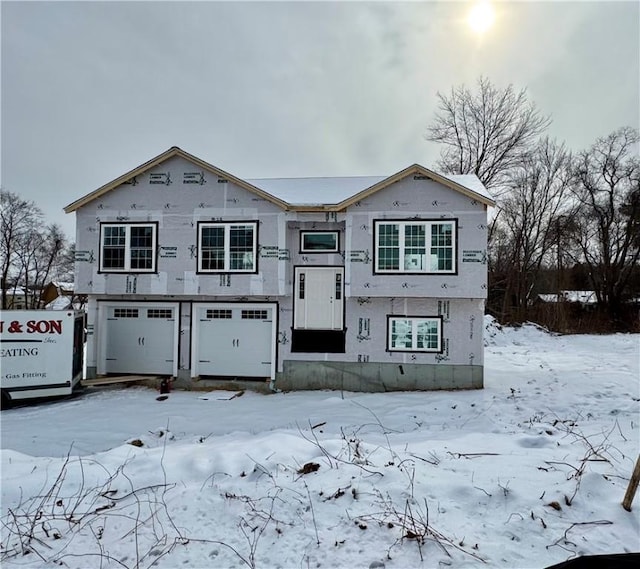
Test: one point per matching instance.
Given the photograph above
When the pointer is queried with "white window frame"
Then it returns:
(127, 248)
(414, 321)
(227, 225)
(305, 232)
(427, 224)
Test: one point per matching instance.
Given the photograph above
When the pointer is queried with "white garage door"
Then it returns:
(139, 338)
(234, 340)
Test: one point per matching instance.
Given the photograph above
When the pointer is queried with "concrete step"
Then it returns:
(117, 379)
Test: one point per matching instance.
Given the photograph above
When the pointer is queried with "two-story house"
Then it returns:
(359, 283)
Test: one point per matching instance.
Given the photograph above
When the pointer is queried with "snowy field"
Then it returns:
(528, 472)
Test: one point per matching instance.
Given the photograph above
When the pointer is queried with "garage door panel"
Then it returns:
(140, 339)
(235, 340)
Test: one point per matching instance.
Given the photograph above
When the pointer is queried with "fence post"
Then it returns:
(633, 486)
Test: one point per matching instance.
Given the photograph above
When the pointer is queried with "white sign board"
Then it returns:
(36, 348)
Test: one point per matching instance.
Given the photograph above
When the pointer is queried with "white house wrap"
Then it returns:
(361, 283)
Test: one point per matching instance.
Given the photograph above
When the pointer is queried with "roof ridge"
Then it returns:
(318, 177)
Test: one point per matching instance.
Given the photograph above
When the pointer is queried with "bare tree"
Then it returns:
(538, 186)
(18, 219)
(30, 252)
(485, 132)
(39, 255)
(607, 187)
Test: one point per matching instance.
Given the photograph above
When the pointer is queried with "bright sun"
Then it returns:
(481, 17)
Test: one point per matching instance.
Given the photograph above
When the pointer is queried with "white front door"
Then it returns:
(234, 340)
(138, 338)
(319, 298)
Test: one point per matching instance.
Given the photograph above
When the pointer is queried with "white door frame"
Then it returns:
(298, 304)
(104, 305)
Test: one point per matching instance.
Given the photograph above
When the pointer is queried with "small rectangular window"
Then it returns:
(218, 314)
(125, 312)
(319, 241)
(414, 334)
(254, 314)
(164, 313)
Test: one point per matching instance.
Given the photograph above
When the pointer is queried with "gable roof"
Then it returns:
(302, 194)
(173, 151)
(340, 192)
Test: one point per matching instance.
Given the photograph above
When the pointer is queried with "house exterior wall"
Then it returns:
(178, 207)
(369, 298)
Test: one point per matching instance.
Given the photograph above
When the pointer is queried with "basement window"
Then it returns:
(414, 334)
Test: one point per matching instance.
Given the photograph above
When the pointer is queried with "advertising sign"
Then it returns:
(36, 349)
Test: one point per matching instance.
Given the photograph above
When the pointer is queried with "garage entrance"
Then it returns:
(234, 340)
(138, 338)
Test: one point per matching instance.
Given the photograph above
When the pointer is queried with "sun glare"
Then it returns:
(481, 17)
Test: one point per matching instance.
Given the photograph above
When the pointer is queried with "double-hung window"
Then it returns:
(415, 246)
(227, 247)
(414, 334)
(128, 247)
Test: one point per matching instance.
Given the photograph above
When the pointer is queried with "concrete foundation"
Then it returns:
(377, 377)
(348, 376)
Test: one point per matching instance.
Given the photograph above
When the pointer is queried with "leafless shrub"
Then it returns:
(71, 509)
(598, 448)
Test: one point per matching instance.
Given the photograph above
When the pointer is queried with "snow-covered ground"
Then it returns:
(527, 472)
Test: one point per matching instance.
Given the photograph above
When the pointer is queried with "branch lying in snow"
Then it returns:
(313, 514)
(434, 458)
(565, 539)
(472, 454)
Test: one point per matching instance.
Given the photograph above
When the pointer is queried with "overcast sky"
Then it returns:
(91, 90)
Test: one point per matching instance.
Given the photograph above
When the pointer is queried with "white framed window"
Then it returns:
(414, 333)
(319, 241)
(128, 247)
(415, 246)
(229, 247)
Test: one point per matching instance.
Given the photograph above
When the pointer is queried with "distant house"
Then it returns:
(57, 293)
(62, 296)
(362, 283)
(16, 298)
(584, 298)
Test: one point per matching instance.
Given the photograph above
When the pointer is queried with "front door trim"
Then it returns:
(303, 291)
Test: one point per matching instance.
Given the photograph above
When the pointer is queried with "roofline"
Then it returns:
(415, 168)
(341, 206)
(173, 151)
